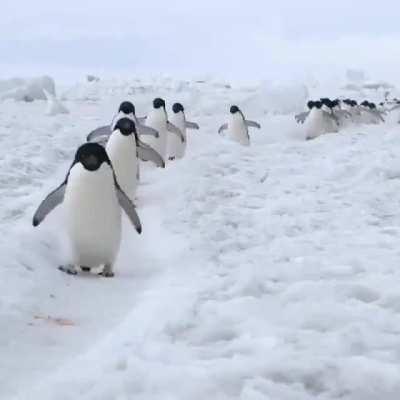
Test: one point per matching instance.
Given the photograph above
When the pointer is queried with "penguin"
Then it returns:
(370, 113)
(238, 126)
(123, 147)
(177, 149)
(125, 110)
(93, 200)
(300, 118)
(329, 107)
(158, 120)
(316, 121)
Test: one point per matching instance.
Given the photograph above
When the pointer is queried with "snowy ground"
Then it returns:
(269, 272)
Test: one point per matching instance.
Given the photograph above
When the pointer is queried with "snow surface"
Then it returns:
(269, 272)
(21, 89)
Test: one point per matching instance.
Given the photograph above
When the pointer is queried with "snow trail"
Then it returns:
(267, 272)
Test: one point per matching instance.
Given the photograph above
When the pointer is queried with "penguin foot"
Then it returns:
(171, 158)
(85, 269)
(107, 274)
(68, 269)
(107, 271)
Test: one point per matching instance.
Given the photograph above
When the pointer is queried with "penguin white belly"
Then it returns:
(238, 131)
(331, 126)
(93, 216)
(176, 148)
(350, 119)
(122, 152)
(315, 124)
(157, 120)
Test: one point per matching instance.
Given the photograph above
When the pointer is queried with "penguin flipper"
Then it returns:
(222, 128)
(174, 129)
(101, 131)
(378, 114)
(147, 130)
(192, 125)
(129, 208)
(54, 199)
(147, 153)
(300, 118)
(252, 124)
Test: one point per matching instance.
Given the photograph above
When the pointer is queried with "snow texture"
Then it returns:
(27, 89)
(263, 272)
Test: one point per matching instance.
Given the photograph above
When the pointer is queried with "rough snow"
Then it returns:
(28, 90)
(267, 272)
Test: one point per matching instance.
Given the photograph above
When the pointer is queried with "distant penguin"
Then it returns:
(158, 120)
(316, 121)
(370, 113)
(123, 147)
(177, 148)
(328, 107)
(93, 200)
(237, 126)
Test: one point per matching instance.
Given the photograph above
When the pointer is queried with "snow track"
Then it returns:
(268, 272)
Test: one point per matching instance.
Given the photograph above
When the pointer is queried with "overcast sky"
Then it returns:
(248, 38)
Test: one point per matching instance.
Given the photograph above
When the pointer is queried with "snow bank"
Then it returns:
(27, 89)
(279, 99)
(54, 106)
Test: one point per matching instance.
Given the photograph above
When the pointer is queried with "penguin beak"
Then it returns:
(91, 162)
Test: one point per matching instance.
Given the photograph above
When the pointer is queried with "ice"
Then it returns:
(267, 272)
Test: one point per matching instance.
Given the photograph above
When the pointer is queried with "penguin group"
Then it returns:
(105, 173)
(330, 116)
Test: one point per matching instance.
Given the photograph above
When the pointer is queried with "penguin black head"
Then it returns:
(234, 109)
(354, 103)
(91, 156)
(126, 126)
(311, 104)
(326, 102)
(335, 103)
(177, 107)
(318, 104)
(127, 108)
(365, 103)
(158, 103)
(372, 106)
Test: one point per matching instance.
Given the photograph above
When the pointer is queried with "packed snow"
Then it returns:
(265, 272)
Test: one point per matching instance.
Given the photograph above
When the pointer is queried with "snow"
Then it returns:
(267, 272)
(54, 105)
(27, 89)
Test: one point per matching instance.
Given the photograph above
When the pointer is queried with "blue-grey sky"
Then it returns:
(230, 38)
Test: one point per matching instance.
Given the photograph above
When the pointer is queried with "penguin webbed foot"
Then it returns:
(107, 271)
(68, 269)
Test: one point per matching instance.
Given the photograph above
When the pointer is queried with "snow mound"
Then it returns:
(279, 99)
(27, 89)
(54, 106)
